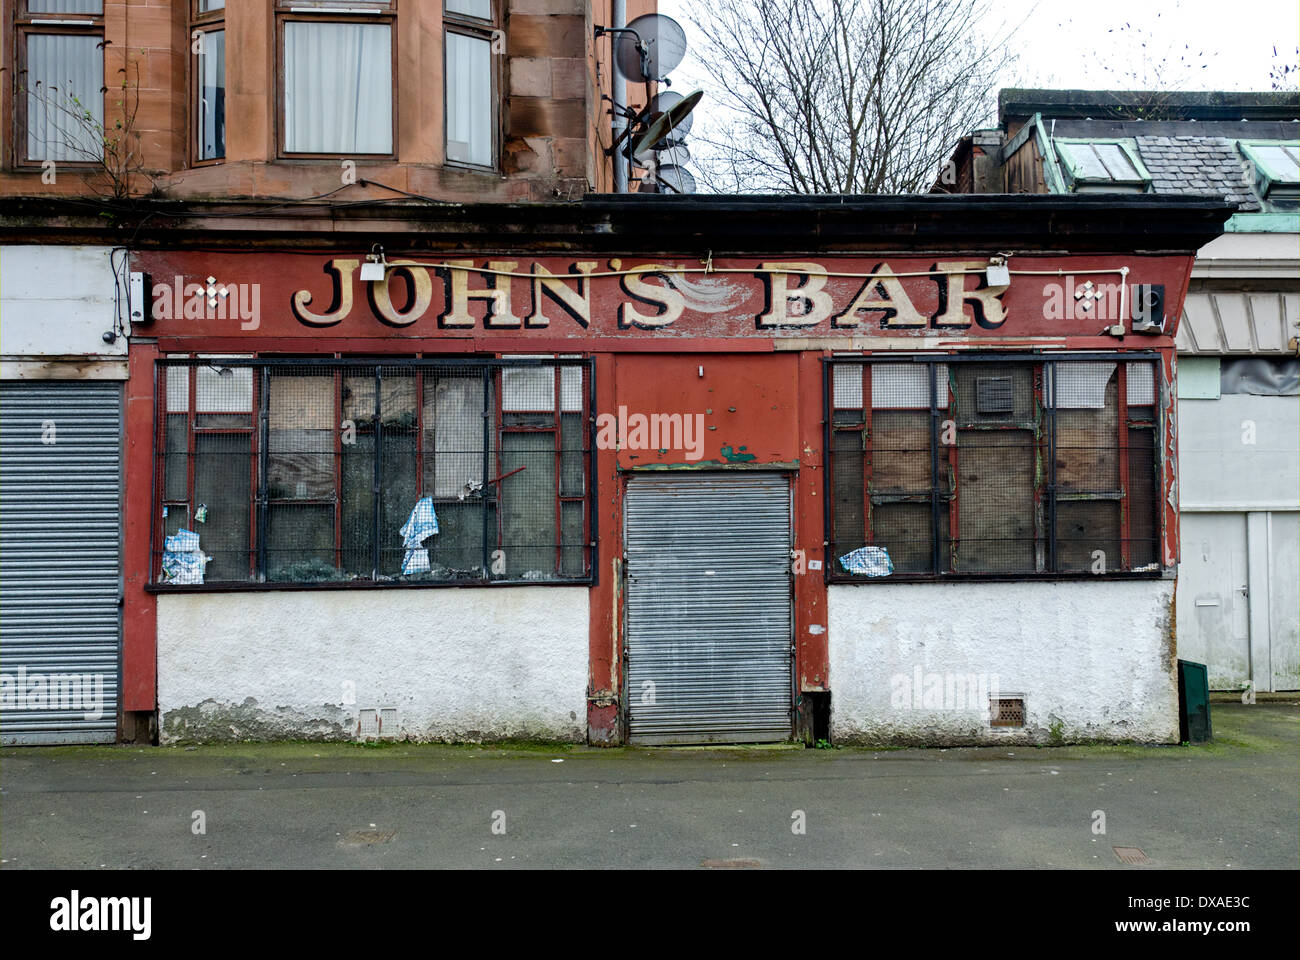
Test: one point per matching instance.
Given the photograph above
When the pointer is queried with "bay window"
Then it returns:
(208, 43)
(470, 30)
(336, 75)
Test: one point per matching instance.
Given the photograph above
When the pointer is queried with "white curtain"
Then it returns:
(469, 99)
(338, 88)
(212, 96)
(66, 6)
(59, 68)
(471, 8)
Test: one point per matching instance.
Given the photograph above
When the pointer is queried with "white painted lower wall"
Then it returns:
(1093, 660)
(458, 664)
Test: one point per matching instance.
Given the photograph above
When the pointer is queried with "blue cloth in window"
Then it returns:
(422, 524)
(868, 561)
(183, 561)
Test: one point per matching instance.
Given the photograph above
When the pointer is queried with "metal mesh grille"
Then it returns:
(1007, 712)
(309, 472)
(992, 467)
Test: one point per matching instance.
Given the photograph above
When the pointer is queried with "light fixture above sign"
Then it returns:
(373, 270)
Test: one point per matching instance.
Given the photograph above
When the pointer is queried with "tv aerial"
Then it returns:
(646, 51)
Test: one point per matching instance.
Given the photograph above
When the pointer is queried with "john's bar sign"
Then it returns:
(301, 294)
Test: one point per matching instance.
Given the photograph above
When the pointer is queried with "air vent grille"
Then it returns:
(994, 395)
(1007, 711)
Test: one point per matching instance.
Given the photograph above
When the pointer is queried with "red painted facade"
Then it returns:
(740, 341)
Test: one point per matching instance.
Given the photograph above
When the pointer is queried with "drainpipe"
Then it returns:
(618, 90)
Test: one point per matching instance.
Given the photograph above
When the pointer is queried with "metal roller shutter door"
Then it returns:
(708, 608)
(60, 574)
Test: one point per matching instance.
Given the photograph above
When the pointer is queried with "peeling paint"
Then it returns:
(737, 456)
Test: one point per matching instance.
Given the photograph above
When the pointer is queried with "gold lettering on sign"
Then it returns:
(667, 297)
(815, 301)
(459, 295)
(576, 303)
(897, 306)
(342, 278)
(985, 302)
(381, 296)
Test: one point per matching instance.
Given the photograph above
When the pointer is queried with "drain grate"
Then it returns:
(731, 865)
(1133, 856)
(367, 838)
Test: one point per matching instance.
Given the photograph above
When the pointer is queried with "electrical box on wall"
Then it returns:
(1148, 308)
(138, 296)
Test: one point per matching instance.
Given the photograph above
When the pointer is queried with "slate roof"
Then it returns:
(1198, 166)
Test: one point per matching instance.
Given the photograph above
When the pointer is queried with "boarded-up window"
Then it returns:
(992, 468)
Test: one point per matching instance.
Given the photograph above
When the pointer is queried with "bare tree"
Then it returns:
(1139, 71)
(841, 96)
(1282, 74)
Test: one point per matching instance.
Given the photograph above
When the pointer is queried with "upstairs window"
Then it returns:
(963, 468)
(60, 54)
(208, 45)
(470, 29)
(1095, 165)
(336, 78)
(1274, 170)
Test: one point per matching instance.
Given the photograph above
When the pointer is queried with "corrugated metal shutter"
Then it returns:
(60, 573)
(708, 608)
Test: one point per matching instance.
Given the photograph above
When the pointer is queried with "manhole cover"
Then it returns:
(1131, 855)
(367, 838)
(731, 864)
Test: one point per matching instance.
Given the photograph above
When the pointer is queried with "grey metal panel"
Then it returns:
(1284, 600)
(60, 568)
(1213, 597)
(1231, 322)
(708, 608)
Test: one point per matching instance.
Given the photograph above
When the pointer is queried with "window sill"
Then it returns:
(841, 580)
(334, 158)
(241, 587)
(466, 167)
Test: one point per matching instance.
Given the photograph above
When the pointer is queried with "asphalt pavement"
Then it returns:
(1226, 805)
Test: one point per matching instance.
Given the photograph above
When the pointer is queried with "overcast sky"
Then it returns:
(1227, 46)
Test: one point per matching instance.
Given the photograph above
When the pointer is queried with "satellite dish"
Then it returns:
(662, 103)
(674, 154)
(668, 178)
(665, 45)
(676, 179)
(667, 123)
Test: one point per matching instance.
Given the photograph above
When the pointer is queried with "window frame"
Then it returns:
(25, 23)
(479, 29)
(942, 498)
(201, 22)
(1075, 178)
(261, 500)
(1266, 178)
(325, 11)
